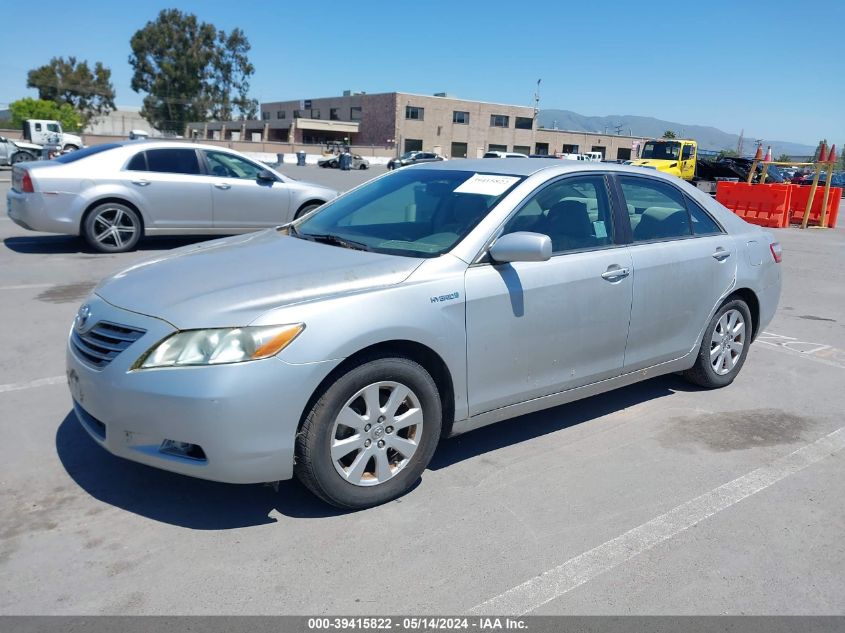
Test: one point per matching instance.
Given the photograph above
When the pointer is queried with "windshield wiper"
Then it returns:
(334, 239)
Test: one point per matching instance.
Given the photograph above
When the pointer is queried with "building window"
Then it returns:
(315, 113)
(523, 123)
(413, 144)
(280, 114)
(265, 116)
(459, 150)
(415, 113)
(570, 149)
(497, 148)
(334, 114)
(500, 120)
(601, 149)
(355, 113)
(297, 114)
(460, 117)
(542, 149)
(522, 149)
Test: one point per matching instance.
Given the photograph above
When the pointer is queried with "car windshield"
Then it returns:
(662, 150)
(409, 154)
(414, 213)
(82, 153)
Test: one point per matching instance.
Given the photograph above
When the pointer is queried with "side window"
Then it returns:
(702, 223)
(37, 127)
(656, 210)
(53, 127)
(226, 165)
(687, 153)
(138, 162)
(573, 212)
(173, 161)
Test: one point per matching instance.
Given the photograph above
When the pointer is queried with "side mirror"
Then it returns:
(266, 176)
(522, 247)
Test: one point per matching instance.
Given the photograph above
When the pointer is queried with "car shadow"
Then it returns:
(67, 244)
(205, 505)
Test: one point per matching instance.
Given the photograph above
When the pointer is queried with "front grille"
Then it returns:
(104, 342)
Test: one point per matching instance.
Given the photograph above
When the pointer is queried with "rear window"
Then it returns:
(173, 161)
(87, 151)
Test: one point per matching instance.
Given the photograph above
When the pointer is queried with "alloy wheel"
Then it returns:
(114, 227)
(727, 342)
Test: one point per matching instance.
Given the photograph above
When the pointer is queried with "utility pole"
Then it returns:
(536, 112)
(739, 142)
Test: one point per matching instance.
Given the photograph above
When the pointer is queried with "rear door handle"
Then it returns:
(721, 254)
(141, 183)
(615, 273)
(222, 185)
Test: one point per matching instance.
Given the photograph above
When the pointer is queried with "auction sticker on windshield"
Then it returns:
(487, 184)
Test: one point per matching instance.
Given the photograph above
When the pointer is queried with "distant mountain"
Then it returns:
(708, 138)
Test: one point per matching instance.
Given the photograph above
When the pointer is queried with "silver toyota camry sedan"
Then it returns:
(431, 301)
(114, 194)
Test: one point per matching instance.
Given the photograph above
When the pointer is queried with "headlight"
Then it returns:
(219, 346)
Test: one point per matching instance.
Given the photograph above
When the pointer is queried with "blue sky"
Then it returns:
(733, 65)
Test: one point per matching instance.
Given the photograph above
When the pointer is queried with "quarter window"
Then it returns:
(415, 113)
(138, 162)
(460, 117)
(499, 120)
(173, 161)
(702, 223)
(656, 210)
(573, 212)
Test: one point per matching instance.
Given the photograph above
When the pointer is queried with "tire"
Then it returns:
(98, 228)
(382, 460)
(308, 208)
(362, 167)
(719, 359)
(21, 157)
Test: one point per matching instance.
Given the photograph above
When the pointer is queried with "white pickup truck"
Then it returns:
(12, 151)
(46, 132)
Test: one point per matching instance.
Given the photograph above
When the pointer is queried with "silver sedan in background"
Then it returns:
(431, 301)
(113, 194)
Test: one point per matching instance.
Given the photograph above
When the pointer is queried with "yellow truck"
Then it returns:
(671, 156)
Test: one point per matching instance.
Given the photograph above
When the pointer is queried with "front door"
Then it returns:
(240, 200)
(682, 264)
(688, 161)
(537, 328)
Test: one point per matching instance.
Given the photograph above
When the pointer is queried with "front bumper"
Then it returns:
(244, 416)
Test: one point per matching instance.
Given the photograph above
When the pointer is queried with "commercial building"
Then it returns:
(401, 121)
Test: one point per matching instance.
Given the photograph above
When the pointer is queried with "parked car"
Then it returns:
(426, 303)
(504, 155)
(837, 180)
(412, 158)
(12, 151)
(114, 194)
(358, 162)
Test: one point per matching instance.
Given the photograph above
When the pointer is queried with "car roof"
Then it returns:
(166, 143)
(522, 167)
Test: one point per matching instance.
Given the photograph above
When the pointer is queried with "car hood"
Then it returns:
(231, 282)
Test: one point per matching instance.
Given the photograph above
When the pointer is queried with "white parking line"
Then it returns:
(40, 382)
(576, 571)
(819, 352)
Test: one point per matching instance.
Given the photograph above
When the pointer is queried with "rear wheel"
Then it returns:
(724, 346)
(112, 228)
(370, 435)
(21, 157)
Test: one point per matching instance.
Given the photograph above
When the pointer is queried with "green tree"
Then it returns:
(69, 81)
(30, 108)
(728, 153)
(819, 149)
(783, 158)
(669, 134)
(190, 71)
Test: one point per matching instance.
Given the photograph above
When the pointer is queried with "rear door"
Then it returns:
(683, 262)
(173, 191)
(241, 201)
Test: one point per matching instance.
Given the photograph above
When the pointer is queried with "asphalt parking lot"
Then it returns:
(659, 498)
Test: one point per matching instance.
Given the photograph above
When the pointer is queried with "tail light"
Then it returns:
(26, 183)
(777, 252)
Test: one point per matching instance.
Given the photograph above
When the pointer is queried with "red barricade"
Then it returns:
(800, 195)
(764, 205)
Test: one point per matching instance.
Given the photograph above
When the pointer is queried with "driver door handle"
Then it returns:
(721, 254)
(615, 273)
(222, 185)
(141, 183)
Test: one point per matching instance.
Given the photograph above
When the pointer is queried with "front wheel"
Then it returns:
(724, 346)
(112, 228)
(370, 435)
(305, 209)
(22, 157)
